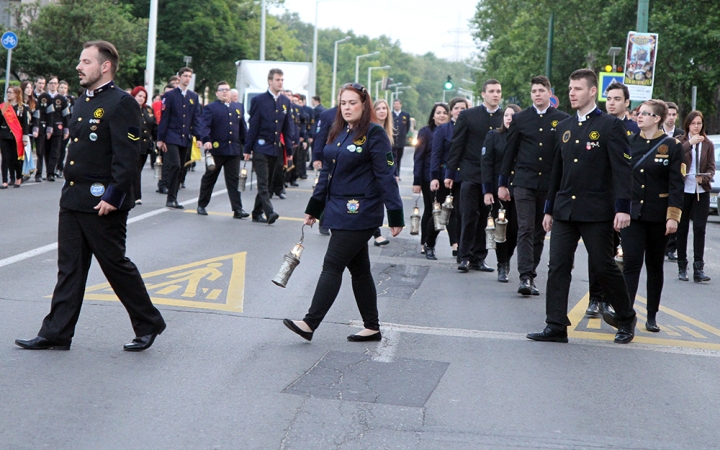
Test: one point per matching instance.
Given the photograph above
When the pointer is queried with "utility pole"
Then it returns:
(641, 27)
(152, 38)
(262, 32)
(548, 56)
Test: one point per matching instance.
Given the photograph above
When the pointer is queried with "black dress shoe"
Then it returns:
(503, 272)
(549, 335)
(525, 286)
(324, 231)
(295, 329)
(383, 242)
(173, 205)
(140, 343)
(293, 184)
(201, 211)
(609, 319)
(482, 267)
(51, 178)
(241, 214)
(40, 343)
(605, 306)
(259, 219)
(272, 218)
(671, 256)
(282, 196)
(464, 266)
(626, 333)
(652, 326)
(182, 185)
(533, 289)
(430, 253)
(162, 190)
(593, 309)
(358, 338)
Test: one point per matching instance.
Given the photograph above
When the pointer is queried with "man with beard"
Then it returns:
(105, 142)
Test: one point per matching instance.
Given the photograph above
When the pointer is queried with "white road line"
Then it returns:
(478, 334)
(386, 348)
(50, 247)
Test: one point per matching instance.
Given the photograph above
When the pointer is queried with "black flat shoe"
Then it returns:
(358, 338)
(259, 219)
(549, 335)
(40, 343)
(174, 205)
(430, 253)
(652, 326)
(240, 214)
(140, 343)
(383, 242)
(201, 211)
(272, 218)
(295, 329)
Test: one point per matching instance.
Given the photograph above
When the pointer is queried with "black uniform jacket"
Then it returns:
(492, 161)
(657, 182)
(442, 141)
(148, 129)
(591, 176)
(470, 130)
(53, 113)
(401, 125)
(530, 148)
(181, 118)
(103, 152)
(268, 119)
(324, 123)
(423, 154)
(310, 114)
(357, 178)
(224, 126)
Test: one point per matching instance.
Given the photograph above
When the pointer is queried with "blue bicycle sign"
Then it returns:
(9, 40)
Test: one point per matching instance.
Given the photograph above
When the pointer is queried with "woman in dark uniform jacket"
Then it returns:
(148, 136)
(356, 181)
(442, 141)
(13, 147)
(422, 177)
(492, 159)
(656, 204)
(699, 158)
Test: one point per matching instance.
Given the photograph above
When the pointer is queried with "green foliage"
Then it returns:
(514, 34)
(51, 44)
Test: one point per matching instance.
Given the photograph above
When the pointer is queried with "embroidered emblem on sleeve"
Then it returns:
(390, 159)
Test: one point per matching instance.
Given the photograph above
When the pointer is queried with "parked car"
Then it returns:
(715, 139)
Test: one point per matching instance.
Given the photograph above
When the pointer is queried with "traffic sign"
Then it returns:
(554, 101)
(605, 79)
(9, 40)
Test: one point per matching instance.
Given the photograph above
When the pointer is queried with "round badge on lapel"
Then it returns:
(93, 137)
(351, 147)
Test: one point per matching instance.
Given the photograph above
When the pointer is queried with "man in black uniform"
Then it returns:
(63, 90)
(401, 126)
(270, 116)
(105, 143)
(590, 194)
(466, 153)
(53, 119)
(309, 114)
(529, 155)
(223, 133)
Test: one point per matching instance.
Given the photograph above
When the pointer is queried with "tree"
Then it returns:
(51, 44)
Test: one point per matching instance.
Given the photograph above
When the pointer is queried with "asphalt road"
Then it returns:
(454, 369)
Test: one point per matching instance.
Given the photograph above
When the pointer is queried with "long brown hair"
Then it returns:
(515, 108)
(30, 100)
(689, 119)
(18, 98)
(368, 113)
(388, 125)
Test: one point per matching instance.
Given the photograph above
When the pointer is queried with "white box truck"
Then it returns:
(252, 79)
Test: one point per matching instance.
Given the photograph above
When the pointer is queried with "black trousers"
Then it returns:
(697, 211)
(173, 160)
(276, 182)
(644, 241)
(504, 251)
(48, 152)
(598, 239)
(231, 168)
(398, 154)
(264, 166)
(455, 224)
(10, 162)
(474, 215)
(529, 204)
(427, 224)
(138, 176)
(596, 292)
(347, 248)
(80, 237)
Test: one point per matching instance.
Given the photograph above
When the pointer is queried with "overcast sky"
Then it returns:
(421, 26)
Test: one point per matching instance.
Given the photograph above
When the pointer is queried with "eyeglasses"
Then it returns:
(645, 113)
(357, 86)
(223, 89)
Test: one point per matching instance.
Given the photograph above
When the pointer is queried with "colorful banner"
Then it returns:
(640, 59)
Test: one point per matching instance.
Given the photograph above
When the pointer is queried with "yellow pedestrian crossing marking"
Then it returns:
(215, 283)
(676, 328)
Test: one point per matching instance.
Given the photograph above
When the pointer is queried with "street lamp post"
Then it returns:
(334, 93)
(152, 35)
(357, 64)
(262, 32)
(369, 83)
(394, 85)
